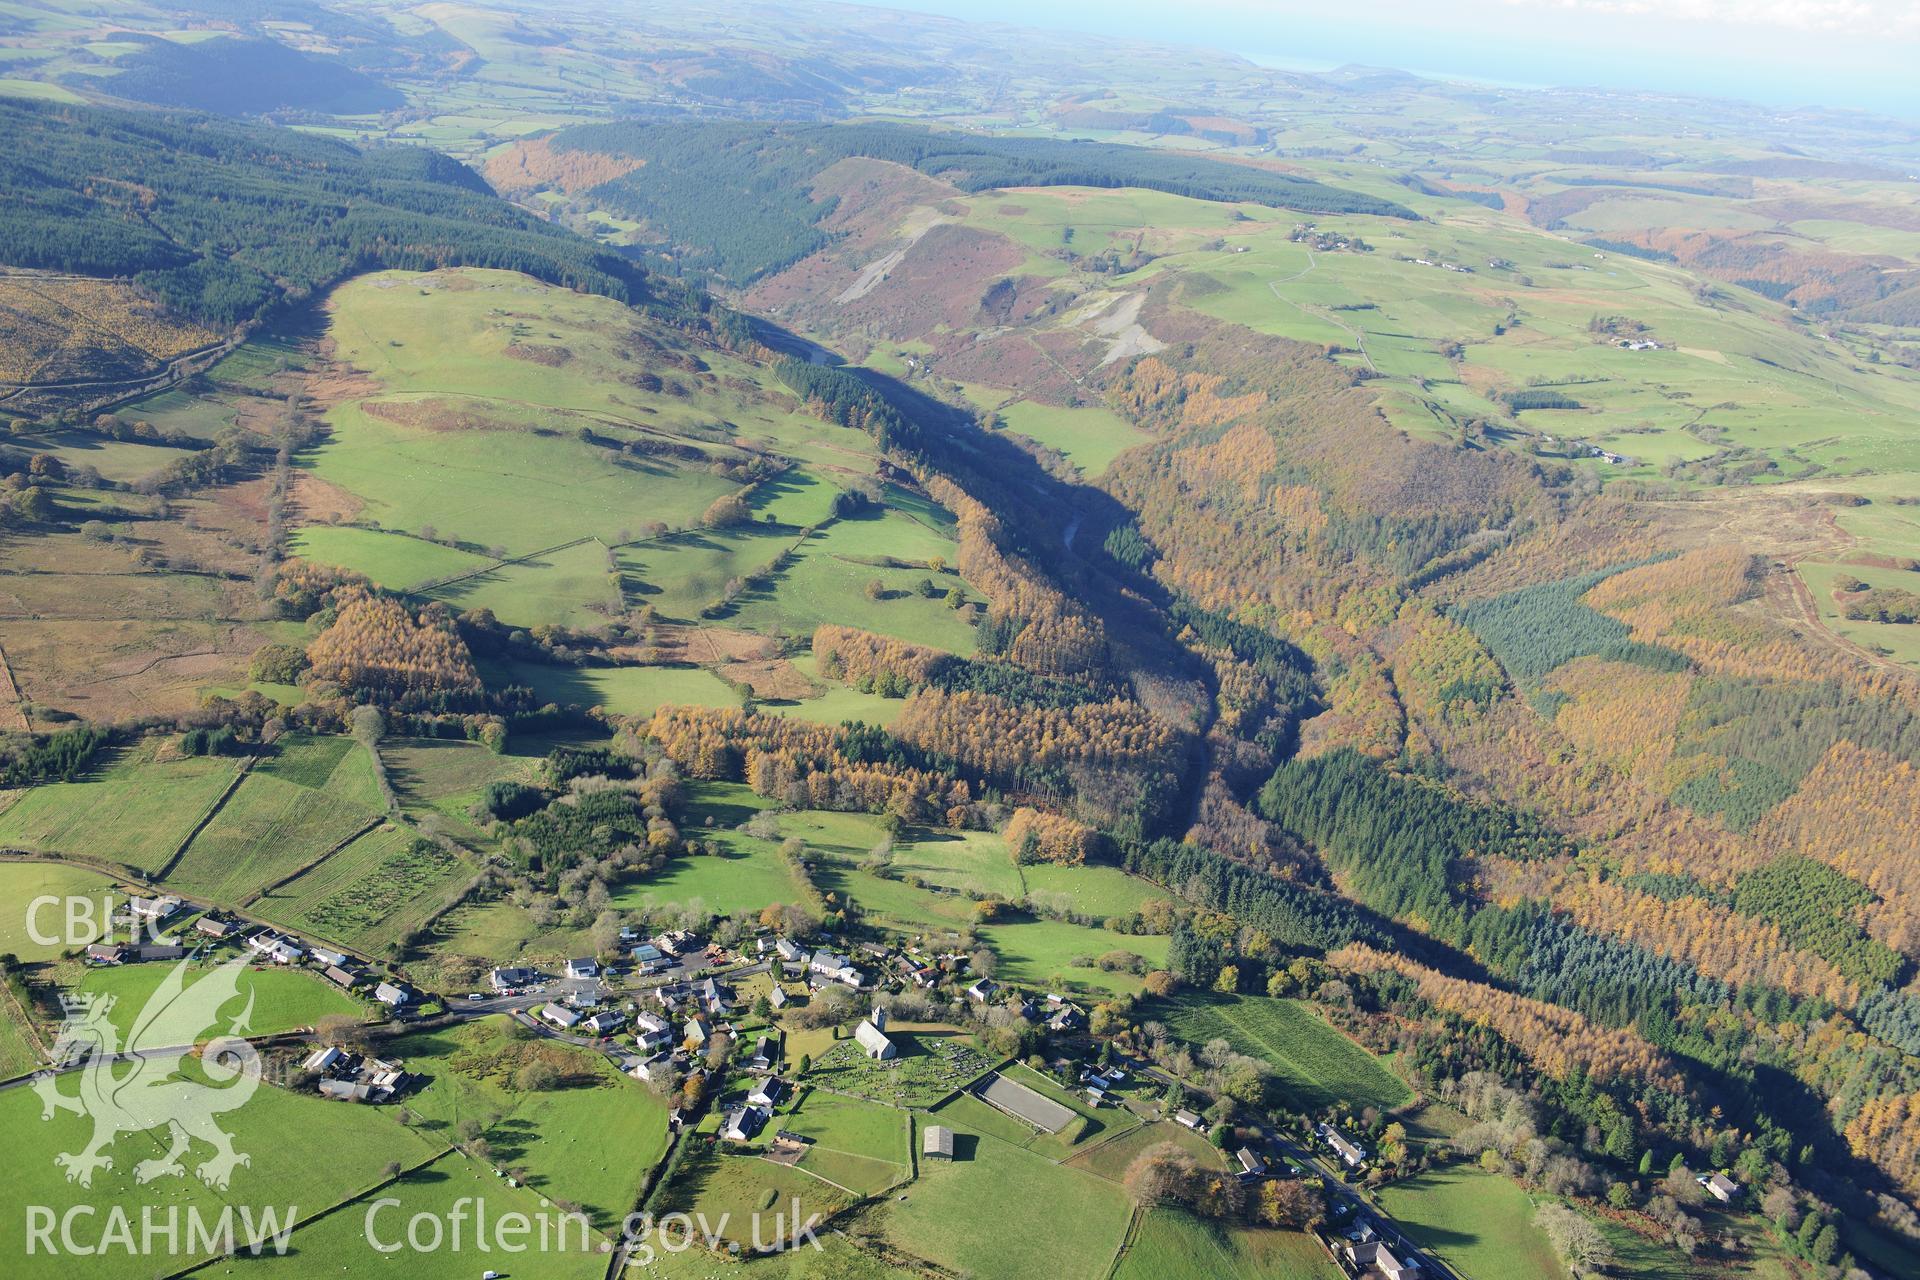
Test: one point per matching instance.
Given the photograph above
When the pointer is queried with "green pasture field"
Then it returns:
(440, 779)
(369, 894)
(1172, 1244)
(730, 1190)
(1037, 952)
(1317, 1065)
(570, 585)
(23, 882)
(268, 829)
(1899, 640)
(838, 705)
(626, 691)
(1090, 437)
(990, 1181)
(512, 488)
(18, 1053)
(134, 812)
(849, 1124)
(836, 1259)
(499, 933)
(283, 998)
(589, 1144)
(797, 499)
(893, 902)
(682, 574)
(339, 766)
(1110, 1159)
(1088, 890)
(971, 861)
(1479, 1223)
(122, 461)
(828, 583)
(394, 560)
(747, 876)
(306, 1155)
(338, 1244)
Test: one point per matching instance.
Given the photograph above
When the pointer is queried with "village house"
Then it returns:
(1351, 1156)
(152, 911)
(607, 1020)
(392, 996)
(277, 949)
(560, 1016)
(983, 990)
(768, 1092)
(509, 979)
(587, 967)
(213, 928)
(1190, 1119)
(1374, 1258)
(791, 952)
(1251, 1165)
(696, 1032)
(742, 1123)
(327, 959)
(651, 1030)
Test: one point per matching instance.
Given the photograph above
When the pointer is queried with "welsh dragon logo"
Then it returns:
(139, 1086)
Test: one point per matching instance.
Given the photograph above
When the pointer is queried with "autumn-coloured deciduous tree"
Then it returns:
(1033, 836)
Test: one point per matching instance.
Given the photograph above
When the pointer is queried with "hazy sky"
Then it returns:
(1847, 53)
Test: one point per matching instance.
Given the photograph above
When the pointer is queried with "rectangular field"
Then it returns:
(1025, 1105)
(1317, 1065)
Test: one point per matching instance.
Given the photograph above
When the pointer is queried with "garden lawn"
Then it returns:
(1316, 1064)
(1479, 1223)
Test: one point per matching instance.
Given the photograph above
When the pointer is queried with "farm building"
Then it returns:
(937, 1142)
(1721, 1188)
